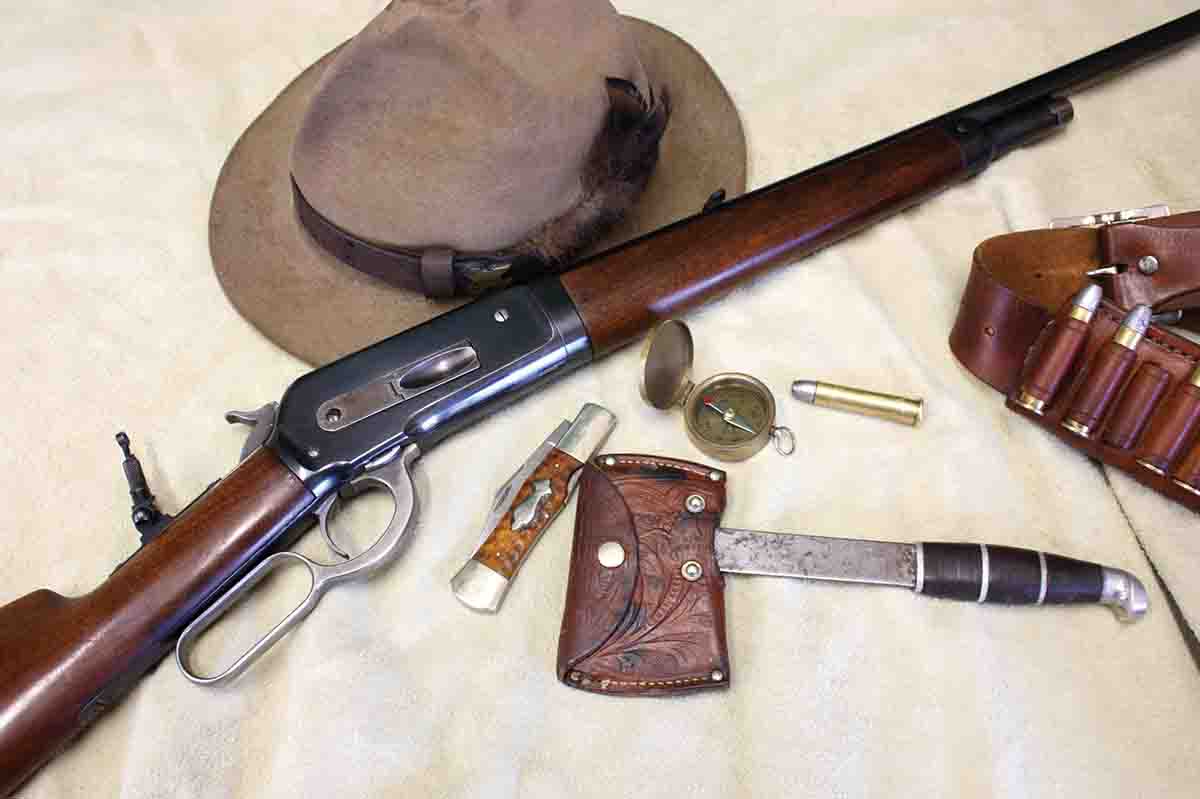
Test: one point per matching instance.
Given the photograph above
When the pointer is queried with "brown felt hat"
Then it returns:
(454, 146)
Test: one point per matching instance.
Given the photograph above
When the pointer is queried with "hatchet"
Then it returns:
(645, 609)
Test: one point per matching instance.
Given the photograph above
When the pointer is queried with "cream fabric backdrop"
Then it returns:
(115, 124)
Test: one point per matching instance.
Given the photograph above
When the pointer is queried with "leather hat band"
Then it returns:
(436, 272)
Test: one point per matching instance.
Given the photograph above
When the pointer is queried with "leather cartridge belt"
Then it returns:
(437, 272)
(1018, 295)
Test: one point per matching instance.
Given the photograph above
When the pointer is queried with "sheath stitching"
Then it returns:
(605, 683)
(680, 465)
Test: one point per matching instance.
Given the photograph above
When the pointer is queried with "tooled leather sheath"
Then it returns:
(645, 606)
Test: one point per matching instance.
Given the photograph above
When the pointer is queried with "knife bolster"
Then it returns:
(645, 607)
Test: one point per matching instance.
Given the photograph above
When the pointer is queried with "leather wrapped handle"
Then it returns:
(1014, 576)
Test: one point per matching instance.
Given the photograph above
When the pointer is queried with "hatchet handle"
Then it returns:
(1014, 576)
(64, 660)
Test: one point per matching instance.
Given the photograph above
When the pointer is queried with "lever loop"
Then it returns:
(219, 608)
(392, 474)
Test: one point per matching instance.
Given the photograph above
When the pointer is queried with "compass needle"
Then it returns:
(730, 416)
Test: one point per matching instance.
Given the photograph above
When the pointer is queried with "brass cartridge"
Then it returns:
(904, 410)
(1107, 373)
(1062, 347)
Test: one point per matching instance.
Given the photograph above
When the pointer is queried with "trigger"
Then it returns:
(323, 522)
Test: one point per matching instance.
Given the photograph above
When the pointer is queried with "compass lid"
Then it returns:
(666, 364)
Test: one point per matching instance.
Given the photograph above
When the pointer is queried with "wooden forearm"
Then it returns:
(622, 293)
(64, 660)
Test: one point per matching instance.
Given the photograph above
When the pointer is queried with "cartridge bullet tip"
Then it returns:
(1138, 320)
(1089, 298)
(1133, 327)
(805, 391)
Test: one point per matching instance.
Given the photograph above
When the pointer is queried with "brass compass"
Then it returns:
(730, 416)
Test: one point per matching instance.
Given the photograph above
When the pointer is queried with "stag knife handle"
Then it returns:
(526, 508)
(483, 582)
(1013, 576)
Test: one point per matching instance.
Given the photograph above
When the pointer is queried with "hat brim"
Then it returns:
(319, 309)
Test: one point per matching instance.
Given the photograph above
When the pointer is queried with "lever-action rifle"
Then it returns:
(367, 417)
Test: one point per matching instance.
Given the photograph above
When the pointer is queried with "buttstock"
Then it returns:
(64, 660)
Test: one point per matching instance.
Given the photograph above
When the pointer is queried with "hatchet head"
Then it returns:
(645, 607)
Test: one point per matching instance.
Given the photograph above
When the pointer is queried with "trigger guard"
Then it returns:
(350, 490)
(391, 475)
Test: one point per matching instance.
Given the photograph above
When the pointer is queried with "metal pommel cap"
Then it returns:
(1124, 593)
(1133, 327)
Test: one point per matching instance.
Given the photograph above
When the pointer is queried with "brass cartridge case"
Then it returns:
(894, 408)
(1107, 374)
(1057, 356)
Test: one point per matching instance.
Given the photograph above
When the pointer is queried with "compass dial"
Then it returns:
(729, 412)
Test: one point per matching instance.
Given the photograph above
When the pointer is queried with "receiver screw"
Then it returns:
(501, 315)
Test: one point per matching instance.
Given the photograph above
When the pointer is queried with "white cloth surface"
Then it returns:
(116, 119)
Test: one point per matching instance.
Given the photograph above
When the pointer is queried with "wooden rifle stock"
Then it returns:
(620, 294)
(65, 660)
